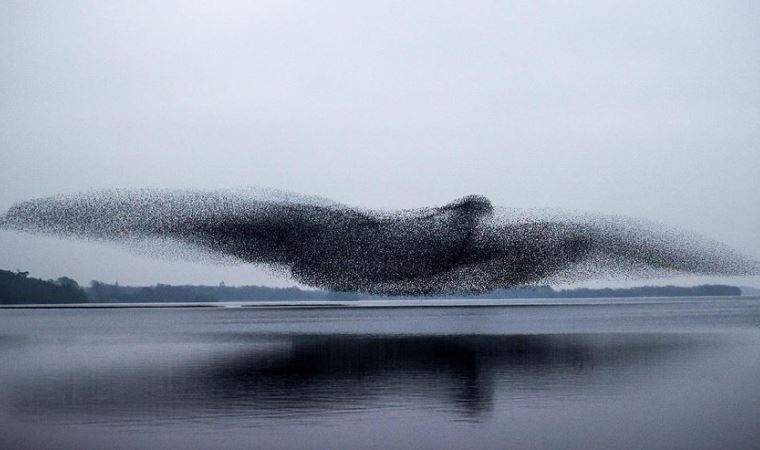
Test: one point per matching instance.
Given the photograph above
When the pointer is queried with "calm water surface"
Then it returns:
(612, 374)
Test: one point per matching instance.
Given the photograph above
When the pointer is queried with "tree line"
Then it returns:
(18, 288)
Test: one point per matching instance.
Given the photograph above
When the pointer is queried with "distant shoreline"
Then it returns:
(19, 289)
(392, 304)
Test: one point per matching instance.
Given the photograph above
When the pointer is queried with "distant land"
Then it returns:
(19, 288)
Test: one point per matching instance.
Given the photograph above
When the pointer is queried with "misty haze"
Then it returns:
(342, 224)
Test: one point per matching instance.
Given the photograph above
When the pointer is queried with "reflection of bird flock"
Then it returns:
(464, 246)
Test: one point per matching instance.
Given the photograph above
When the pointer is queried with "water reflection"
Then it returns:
(255, 377)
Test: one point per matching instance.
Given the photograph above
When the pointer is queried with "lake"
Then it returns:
(573, 374)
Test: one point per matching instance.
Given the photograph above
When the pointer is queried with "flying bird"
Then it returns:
(465, 246)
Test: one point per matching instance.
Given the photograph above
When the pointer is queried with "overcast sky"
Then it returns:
(646, 109)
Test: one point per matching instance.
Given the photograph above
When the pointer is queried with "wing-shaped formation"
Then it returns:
(465, 246)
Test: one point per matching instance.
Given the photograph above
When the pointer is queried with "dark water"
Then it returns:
(658, 374)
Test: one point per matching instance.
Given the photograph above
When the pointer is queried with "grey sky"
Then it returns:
(647, 109)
